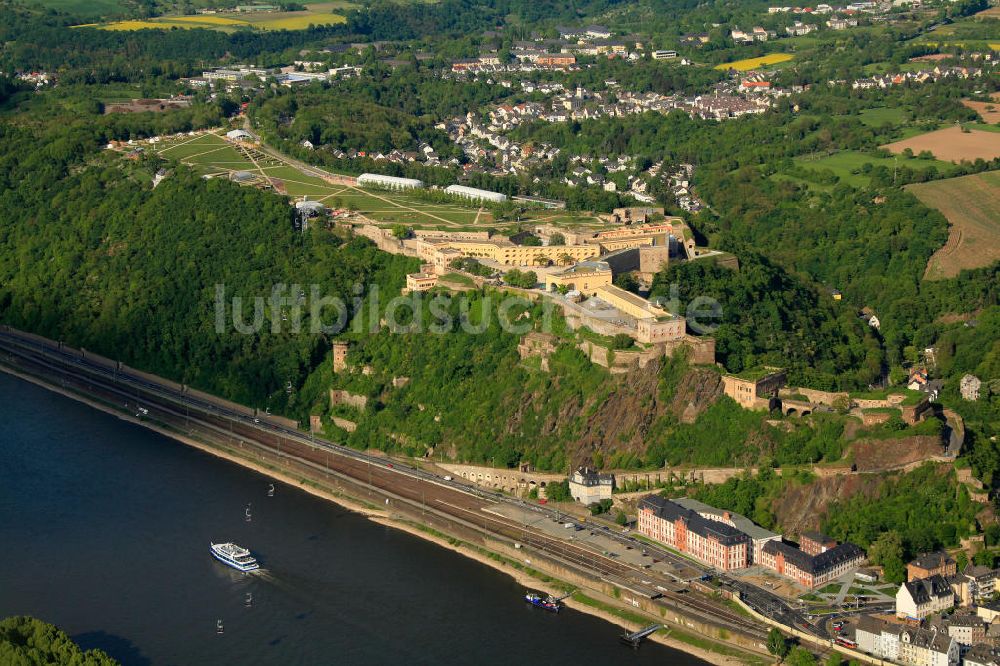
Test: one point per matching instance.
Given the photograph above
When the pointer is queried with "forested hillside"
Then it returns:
(91, 254)
(469, 396)
(772, 317)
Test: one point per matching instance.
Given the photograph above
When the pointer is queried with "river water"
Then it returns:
(105, 528)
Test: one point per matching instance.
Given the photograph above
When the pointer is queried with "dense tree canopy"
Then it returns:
(26, 641)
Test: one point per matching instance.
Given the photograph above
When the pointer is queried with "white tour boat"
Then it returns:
(235, 556)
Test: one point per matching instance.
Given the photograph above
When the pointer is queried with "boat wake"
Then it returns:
(264, 575)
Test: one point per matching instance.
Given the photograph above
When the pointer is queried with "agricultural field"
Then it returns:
(316, 14)
(972, 32)
(953, 144)
(990, 111)
(972, 206)
(754, 63)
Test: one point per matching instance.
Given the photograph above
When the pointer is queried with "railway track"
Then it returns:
(418, 487)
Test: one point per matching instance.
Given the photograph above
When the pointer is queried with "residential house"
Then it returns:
(969, 387)
(799, 28)
(930, 564)
(842, 23)
(877, 637)
(597, 32)
(588, 486)
(927, 647)
(982, 581)
(918, 599)
(696, 39)
(868, 316)
(982, 655)
(918, 379)
(966, 628)
(989, 611)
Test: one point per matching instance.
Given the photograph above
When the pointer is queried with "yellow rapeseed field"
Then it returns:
(300, 22)
(208, 20)
(136, 25)
(753, 63)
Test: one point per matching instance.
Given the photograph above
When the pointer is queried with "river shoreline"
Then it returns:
(375, 515)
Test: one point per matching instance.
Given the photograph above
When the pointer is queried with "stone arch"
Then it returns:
(791, 411)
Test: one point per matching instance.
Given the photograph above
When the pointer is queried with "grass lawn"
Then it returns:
(981, 126)
(883, 115)
(211, 153)
(816, 187)
(844, 163)
(459, 279)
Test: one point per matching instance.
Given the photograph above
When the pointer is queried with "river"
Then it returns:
(105, 528)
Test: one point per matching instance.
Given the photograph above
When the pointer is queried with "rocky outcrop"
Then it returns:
(696, 391)
(875, 455)
(803, 507)
(621, 419)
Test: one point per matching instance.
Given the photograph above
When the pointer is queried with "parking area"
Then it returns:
(594, 537)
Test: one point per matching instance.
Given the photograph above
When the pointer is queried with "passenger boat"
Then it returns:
(537, 600)
(235, 556)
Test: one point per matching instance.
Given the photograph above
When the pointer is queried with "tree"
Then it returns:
(558, 491)
(557, 239)
(801, 657)
(984, 558)
(776, 643)
(401, 231)
(26, 640)
(523, 279)
(598, 508)
(834, 659)
(961, 560)
(622, 341)
(621, 518)
(887, 551)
